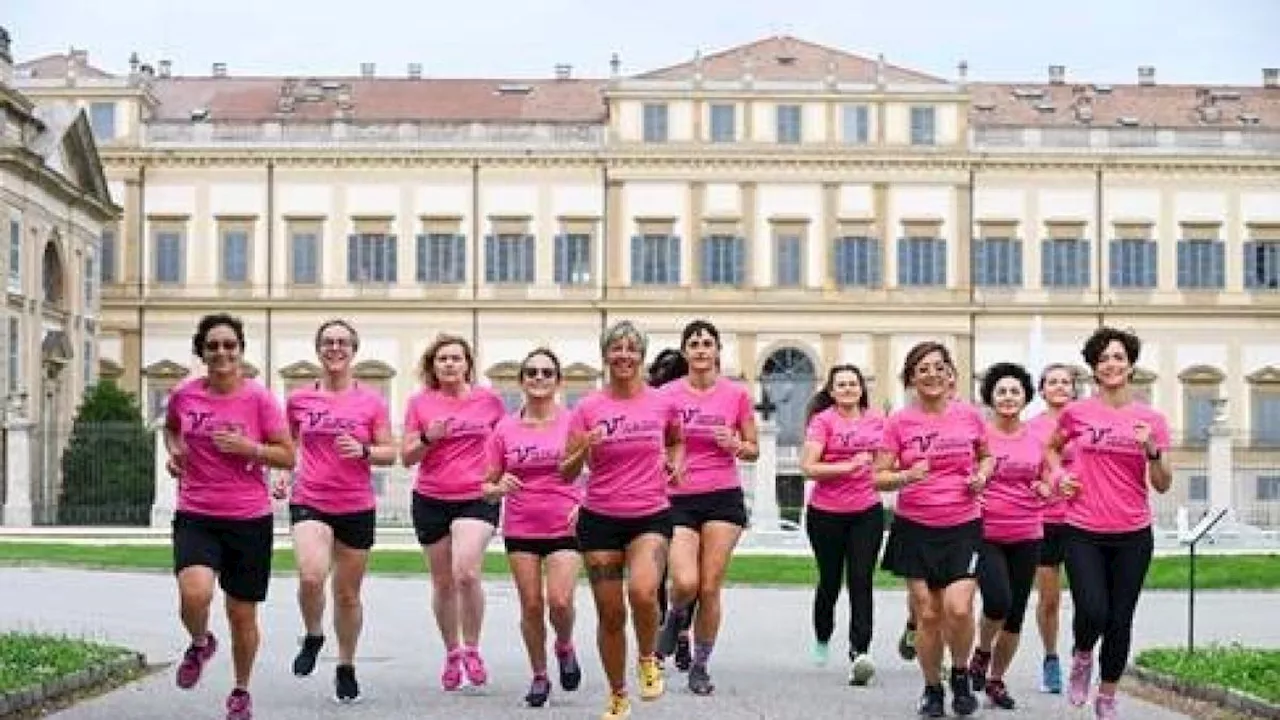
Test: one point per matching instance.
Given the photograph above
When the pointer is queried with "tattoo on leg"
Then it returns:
(605, 573)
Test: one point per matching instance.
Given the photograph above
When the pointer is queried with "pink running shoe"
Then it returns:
(1104, 707)
(239, 705)
(473, 664)
(193, 661)
(1081, 675)
(451, 676)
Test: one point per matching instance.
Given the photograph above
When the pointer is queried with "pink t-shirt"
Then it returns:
(215, 483)
(1110, 464)
(842, 439)
(325, 480)
(949, 441)
(453, 466)
(1055, 506)
(532, 453)
(708, 467)
(627, 475)
(1011, 507)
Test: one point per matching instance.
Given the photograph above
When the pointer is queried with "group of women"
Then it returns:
(639, 483)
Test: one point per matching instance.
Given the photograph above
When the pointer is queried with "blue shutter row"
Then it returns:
(1261, 265)
(922, 262)
(723, 260)
(655, 260)
(374, 253)
(1201, 264)
(996, 262)
(1134, 264)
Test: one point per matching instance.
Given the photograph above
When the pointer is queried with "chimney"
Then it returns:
(219, 70)
(1271, 77)
(615, 65)
(564, 71)
(1057, 74)
(367, 69)
(6, 59)
(165, 68)
(415, 71)
(1146, 75)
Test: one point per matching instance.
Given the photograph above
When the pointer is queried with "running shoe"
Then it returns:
(305, 662)
(193, 661)
(570, 670)
(345, 688)
(700, 680)
(962, 700)
(539, 691)
(932, 702)
(862, 670)
(473, 666)
(998, 694)
(451, 676)
(907, 644)
(239, 705)
(1051, 675)
(652, 684)
(617, 707)
(978, 666)
(1081, 676)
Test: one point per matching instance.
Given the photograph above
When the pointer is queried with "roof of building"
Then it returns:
(779, 58)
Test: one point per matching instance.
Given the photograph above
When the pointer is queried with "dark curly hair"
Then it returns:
(669, 365)
(209, 322)
(1000, 371)
(1104, 336)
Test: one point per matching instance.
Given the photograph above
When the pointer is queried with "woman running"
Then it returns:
(669, 365)
(629, 437)
(537, 521)
(446, 428)
(1057, 388)
(1119, 446)
(708, 509)
(935, 453)
(342, 429)
(222, 432)
(845, 519)
(1012, 527)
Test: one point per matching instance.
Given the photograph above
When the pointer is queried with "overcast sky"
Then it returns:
(1192, 41)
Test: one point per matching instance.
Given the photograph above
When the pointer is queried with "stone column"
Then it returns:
(17, 502)
(1221, 470)
(765, 515)
(166, 485)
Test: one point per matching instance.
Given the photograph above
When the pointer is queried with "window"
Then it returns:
(1142, 384)
(15, 254)
(655, 122)
(655, 258)
(789, 124)
(997, 256)
(90, 363)
(1198, 488)
(1134, 262)
(509, 258)
(1262, 257)
(102, 120)
(858, 261)
(1202, 258)
(107, 255)
(724, 260)
(162, 377)
(1200, 387)
(1264, 406)
(580, 380)
(1269, 487)
(90, 283)
(15, 354)
(723, 123)
(856, 126)
(1065, 257)
(922, 255)
(788, 255)
(923, 121)
(234, 254)
(371, 258)
(573, 258)
(169, 266)
(304, 254)
(442, 258)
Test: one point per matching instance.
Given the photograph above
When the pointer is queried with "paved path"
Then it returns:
(760, 663)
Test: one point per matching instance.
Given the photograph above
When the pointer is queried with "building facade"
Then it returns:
(818, 206)
(54, 202)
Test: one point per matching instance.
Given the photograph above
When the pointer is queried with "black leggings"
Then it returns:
(845, 545)
(1005, 574)
(1107, 571)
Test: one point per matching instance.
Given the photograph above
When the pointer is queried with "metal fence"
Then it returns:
(94, 474)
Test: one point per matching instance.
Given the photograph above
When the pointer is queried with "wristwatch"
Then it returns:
(1153, 456)
(365, 451)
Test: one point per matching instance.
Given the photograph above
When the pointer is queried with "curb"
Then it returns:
(33, 696)
(1223, 697)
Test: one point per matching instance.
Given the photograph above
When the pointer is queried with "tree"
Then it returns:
(108, 467)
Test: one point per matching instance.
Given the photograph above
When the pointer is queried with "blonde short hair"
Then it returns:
(623, 329)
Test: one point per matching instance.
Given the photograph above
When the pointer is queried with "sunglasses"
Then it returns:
(532, 373)
(216, 345)
(336, 342)
(701, 343)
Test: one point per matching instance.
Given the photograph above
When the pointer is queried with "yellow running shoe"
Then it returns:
(652, 683)
(618, 707)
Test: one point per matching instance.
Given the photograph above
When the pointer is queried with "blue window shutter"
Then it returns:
(490, 258)
(739, 261)
(940, 262)
(707, 271)
(1116, 264)
(1252, 273)
(421, 256)
(1084, 257)
(1046, 264)
(840, 267)
(906, 276)
(875, 264)
(978, 252)
(673, 257)
(1219, 265)
(561, 261)
(459, 258)
(1186, 259)
(392, 243)
(530, 258)
(353, 258)
(637, 260)
(1016, 274)
(1150, 264)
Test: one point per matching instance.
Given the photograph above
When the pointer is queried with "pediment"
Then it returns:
(300, 370)
(1143, 376)
(1269, 375)
(109, 369)
(166, 370)
(373, 370)
(1201, 375)
(508, 370)
(581, 372)
(249, 370)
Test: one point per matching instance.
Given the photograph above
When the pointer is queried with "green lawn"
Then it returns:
(28, 660)
(1251, 670)
(1255, 572)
